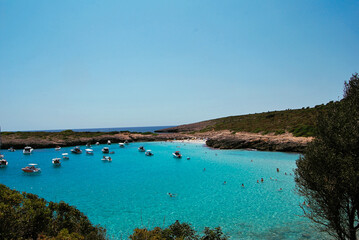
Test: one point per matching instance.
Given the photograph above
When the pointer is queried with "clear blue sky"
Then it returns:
(82, 64)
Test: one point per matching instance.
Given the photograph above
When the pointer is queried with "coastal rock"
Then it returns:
(262, 143)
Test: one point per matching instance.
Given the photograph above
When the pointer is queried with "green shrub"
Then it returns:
(26, 216)
(178, 231)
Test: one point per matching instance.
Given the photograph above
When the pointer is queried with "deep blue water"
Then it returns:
(131, 129)
(131, 191)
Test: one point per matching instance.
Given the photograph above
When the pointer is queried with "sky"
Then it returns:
(68, 64)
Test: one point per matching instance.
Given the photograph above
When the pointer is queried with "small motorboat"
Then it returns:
(97, 143)
(89, 151)
(122, 145)
(188, 158)
(106, 158)
(58, 148)
(56, 162)
(27, 150)
(113, 152)
(65, 156)
(76, 150)
(3, 163)
(11, 149)
(105, 150)
(141, 149)
(149, 153)
(126, 142)
(31, 168)
(88, 145)
(108, 142)
(177, 154)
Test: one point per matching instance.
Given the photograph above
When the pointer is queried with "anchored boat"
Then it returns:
(149, 153)
(31, 168)
(105, 150)
(56, 162)
(89, 151)
(177, 154)
(106, 158)
(27, 150)
(76, 150)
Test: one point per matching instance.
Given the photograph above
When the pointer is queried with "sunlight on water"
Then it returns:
(131, 191)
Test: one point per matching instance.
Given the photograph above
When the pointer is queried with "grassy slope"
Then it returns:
(299, 122)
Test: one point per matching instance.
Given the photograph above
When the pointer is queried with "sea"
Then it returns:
(133, 190)
(119, 129)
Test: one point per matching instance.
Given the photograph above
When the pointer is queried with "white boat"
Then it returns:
(177, 154)
(121, 145)
(149, 153)
(89, 151)
(11, 149)
(31, 168)
(3, 163)
(108, 142)
(141, 149)
(126, 142)
(27, 150)
(56, 162)
(76, 150)
(106, 158)
(105, 150)
(58, 148)
(65, 156)
(97, 143)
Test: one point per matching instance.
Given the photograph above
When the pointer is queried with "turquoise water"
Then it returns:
(131, 191)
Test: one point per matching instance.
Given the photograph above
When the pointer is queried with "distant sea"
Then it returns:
(131, 129)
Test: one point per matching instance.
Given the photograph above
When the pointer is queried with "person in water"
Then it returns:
(242, 185)
(277, 169)
(224, 183)
(262, 180)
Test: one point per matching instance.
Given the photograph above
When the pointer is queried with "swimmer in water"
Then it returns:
(204, 169)
(224, 183)
(257, 181)
(277, 169)
(242, 185)
(262, 180)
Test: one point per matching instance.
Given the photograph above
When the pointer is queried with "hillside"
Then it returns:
(299, 122)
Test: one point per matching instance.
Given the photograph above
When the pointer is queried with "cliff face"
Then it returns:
(282, 143)
(234, 143)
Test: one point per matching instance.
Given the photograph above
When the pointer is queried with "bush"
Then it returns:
(178, 231)
(26, 216)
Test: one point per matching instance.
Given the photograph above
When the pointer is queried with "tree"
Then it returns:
(327, 176)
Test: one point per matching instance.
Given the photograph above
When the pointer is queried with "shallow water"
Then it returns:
(131, 191)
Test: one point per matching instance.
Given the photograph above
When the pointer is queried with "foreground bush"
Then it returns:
(26, 216)
(178, 231)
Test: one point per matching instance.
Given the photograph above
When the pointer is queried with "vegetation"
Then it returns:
(178, 231)
(26, 216)
(299, 122)
(66, 134)
(328, 174)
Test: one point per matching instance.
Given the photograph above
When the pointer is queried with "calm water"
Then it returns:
(131, 191)
(131, 129)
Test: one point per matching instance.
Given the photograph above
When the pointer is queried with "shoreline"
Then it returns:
(214, 139)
